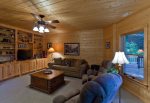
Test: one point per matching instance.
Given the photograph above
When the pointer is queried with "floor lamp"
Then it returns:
(120, 59)
(51, 50)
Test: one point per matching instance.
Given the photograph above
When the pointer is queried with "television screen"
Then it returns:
(24, 54)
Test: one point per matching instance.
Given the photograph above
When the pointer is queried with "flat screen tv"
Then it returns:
(24, 54)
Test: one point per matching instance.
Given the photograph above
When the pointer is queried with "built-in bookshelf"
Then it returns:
(12, 41)
(25, 40)
(38, 45)
(7, 44)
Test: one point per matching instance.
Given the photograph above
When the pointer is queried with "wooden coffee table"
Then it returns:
(47, 82)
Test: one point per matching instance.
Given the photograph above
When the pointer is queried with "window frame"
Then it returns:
(145, 80)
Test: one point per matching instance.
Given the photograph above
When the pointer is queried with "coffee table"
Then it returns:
(47, 82)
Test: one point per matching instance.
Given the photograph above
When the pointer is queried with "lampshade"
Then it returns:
(41, 31)
(35, 28)
(46, 30)
(120, 58)
(41, 28)
(51, 50)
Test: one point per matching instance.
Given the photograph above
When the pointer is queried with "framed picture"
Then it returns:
(49, 45)
(107, 45)
(72, 49)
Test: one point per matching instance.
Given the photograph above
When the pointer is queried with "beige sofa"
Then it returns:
(71, 67)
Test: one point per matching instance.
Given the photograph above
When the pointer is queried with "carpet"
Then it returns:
(17, 90)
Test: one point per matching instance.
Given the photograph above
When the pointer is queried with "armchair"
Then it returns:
(99, 70)
(101, 90)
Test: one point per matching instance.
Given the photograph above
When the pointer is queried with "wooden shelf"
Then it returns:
(38, 49)
(7, 49)
(25, 42)
(24, 48)
(8, 55)
(7, 43)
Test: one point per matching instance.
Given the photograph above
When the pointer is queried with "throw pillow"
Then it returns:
(90, 72)
(66, 62)
(77, 63)
(73, 61)
(58, 61)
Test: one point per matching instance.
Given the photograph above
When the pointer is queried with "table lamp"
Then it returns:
(120, 59)
(51, 50)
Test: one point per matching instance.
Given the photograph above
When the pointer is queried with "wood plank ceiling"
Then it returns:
(72, 14)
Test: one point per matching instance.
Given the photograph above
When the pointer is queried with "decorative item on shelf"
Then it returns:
(107, 45)
(72, 49)
(48, 71)
(120, 59)
(51, 50)
(49, 45)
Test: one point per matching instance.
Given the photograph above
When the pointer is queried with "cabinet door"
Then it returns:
(5, 70)
(38, 64)
(24, 67)
(42, 63)
(46, 62)
(11, 69)
(1, 72)
(32, 65)
(17, 68)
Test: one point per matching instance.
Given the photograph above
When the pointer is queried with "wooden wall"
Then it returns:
(91, 44)
(109, 36)
(133, 23)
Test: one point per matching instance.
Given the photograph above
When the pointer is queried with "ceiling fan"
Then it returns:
(41, 24)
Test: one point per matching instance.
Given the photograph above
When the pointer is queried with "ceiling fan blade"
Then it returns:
(55, 21)
(51, 26)
(36, 16)
(52, 21)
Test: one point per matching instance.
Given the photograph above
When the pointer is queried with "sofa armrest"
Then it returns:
(64, 98)
(60, 99)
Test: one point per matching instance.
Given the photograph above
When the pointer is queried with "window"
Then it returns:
(133, 46)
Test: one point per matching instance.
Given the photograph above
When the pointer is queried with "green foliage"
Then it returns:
(140, 53)
(112, 70)
(131, 48)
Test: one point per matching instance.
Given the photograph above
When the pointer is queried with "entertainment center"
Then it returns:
(21, 52)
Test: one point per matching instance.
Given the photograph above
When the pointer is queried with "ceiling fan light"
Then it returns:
(41, 28)
(35, 28)
(41, 31)
(46, 30)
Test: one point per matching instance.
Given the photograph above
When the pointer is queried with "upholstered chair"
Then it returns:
(101, 90)
(91, 74)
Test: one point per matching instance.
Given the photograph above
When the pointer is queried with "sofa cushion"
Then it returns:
(90, 72)
(77, 63)
(60, 67)
(72, 69)
(73, 61)
(66, 62)
(58, 61)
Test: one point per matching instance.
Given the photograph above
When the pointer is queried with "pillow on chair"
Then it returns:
(57, 61)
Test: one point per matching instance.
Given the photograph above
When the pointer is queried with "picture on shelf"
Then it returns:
(49, 45)
(72, 49)
(107, 45)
